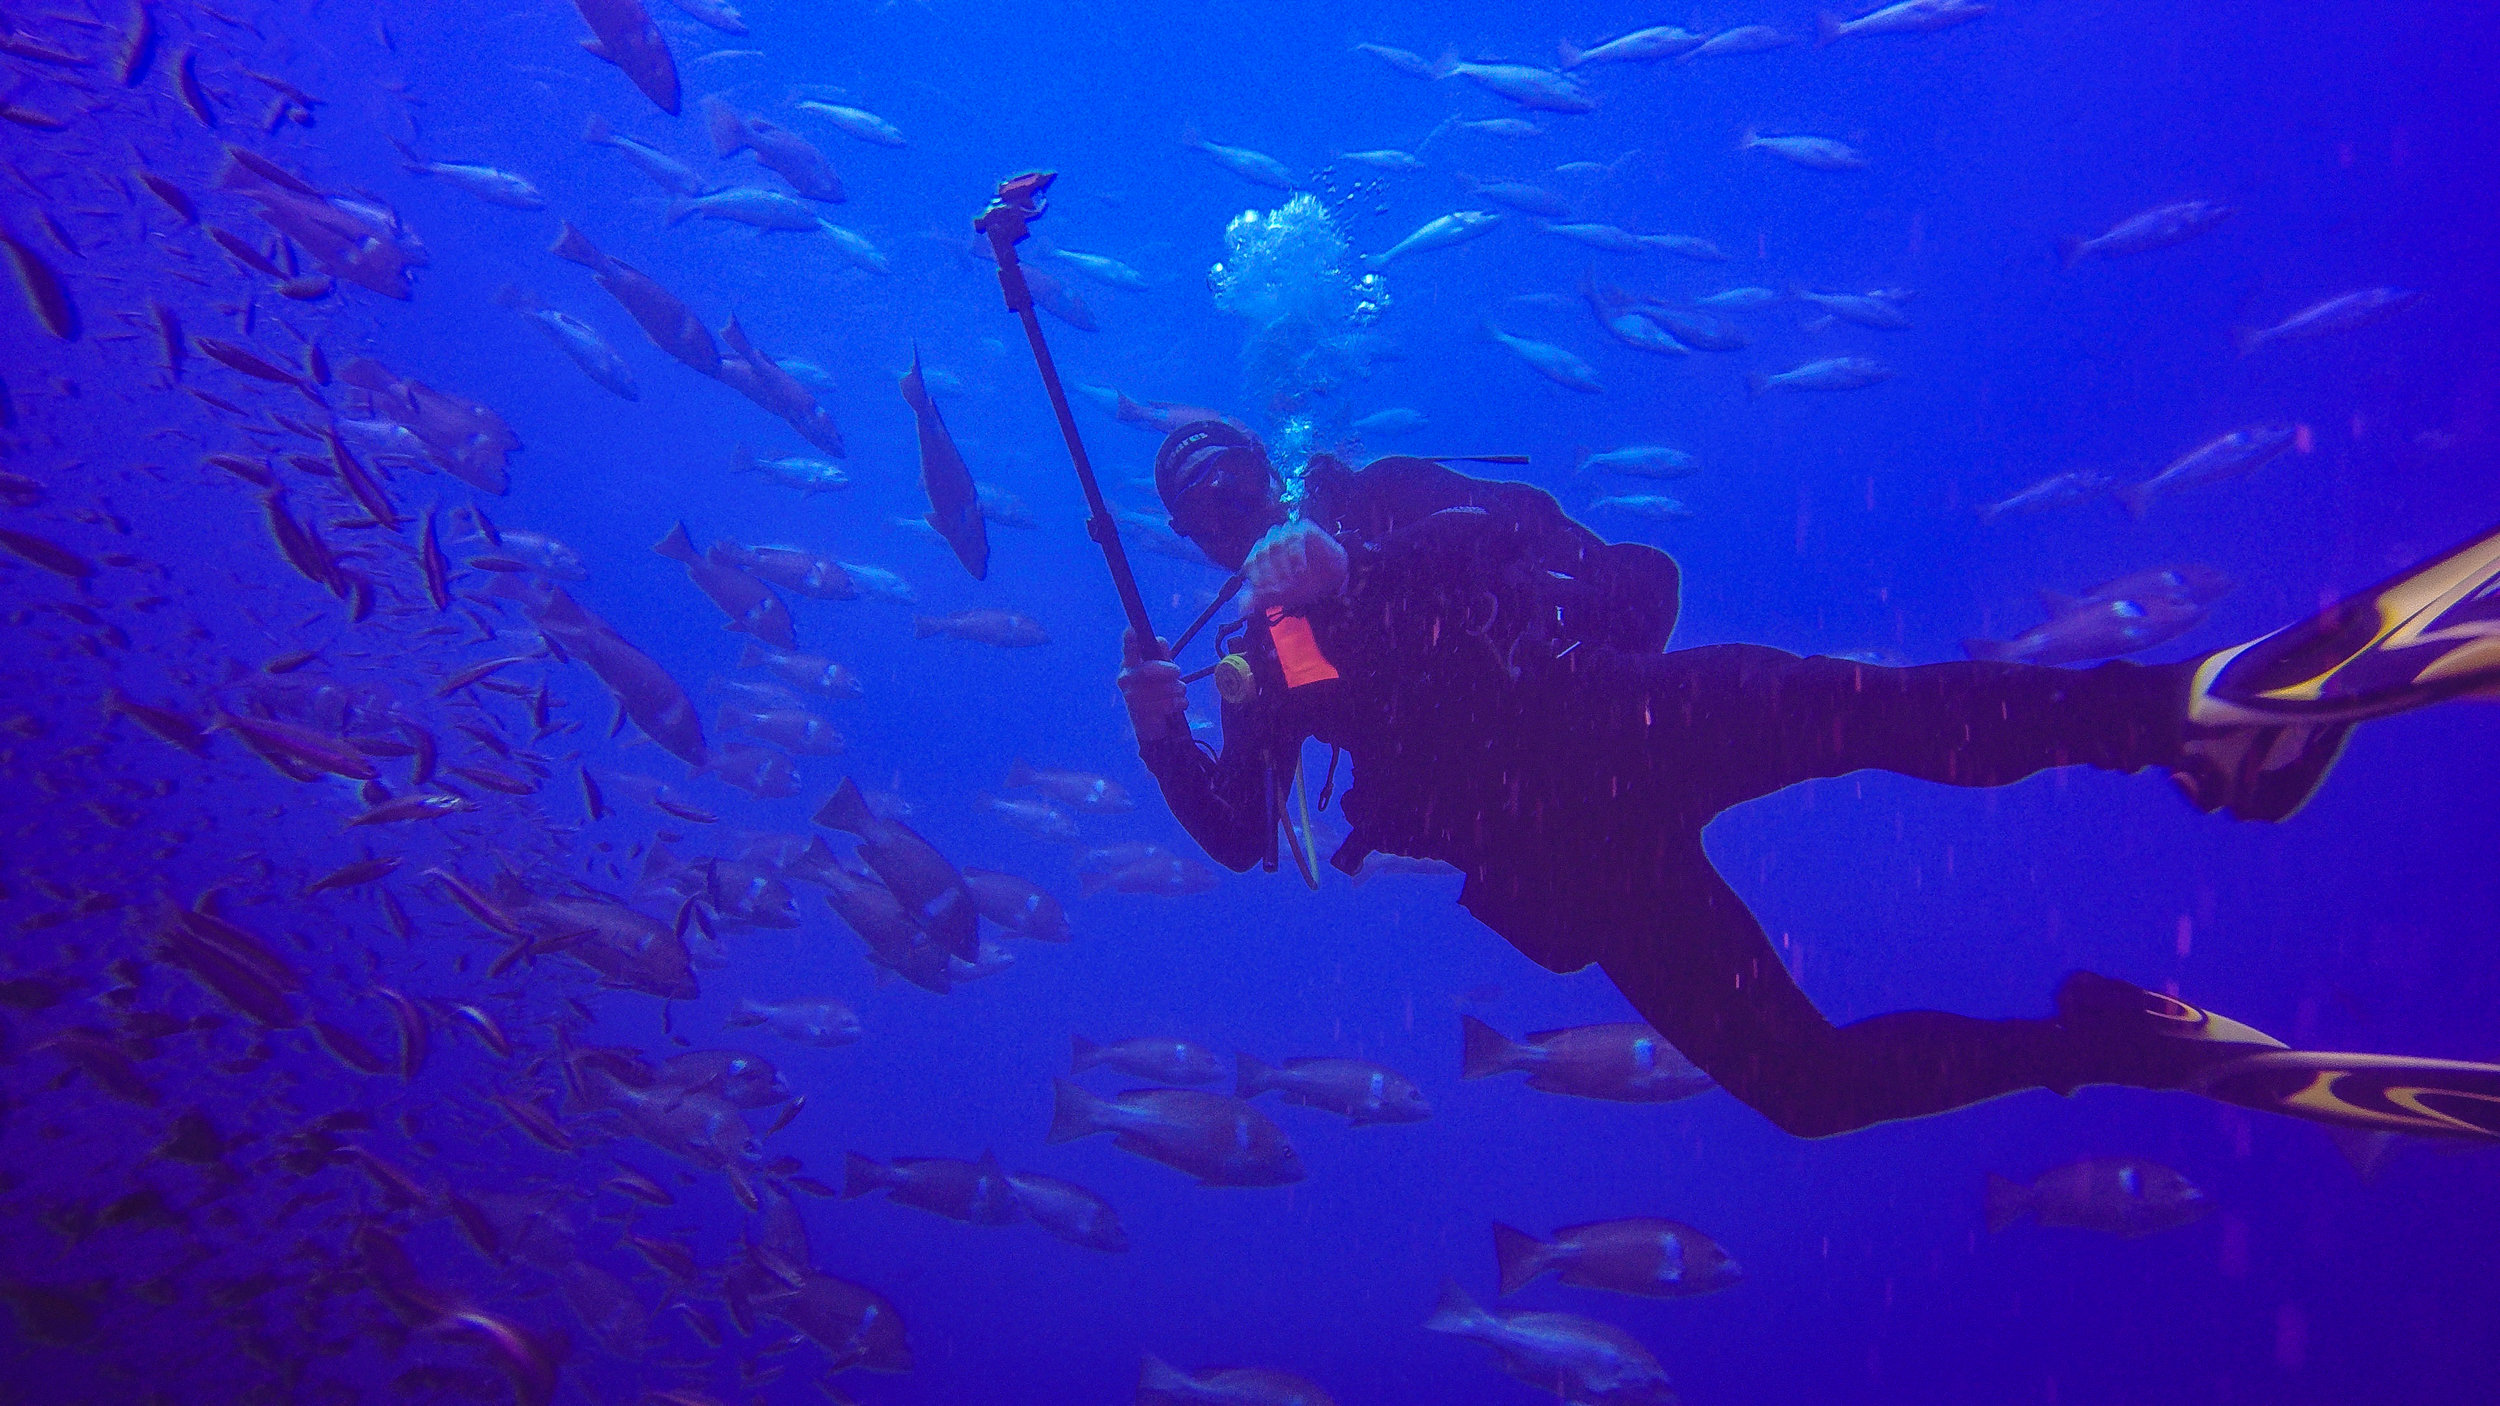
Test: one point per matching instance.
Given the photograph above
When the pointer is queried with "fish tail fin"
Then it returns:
(1522, 1257)
(2007, 1201)
(572, 244)
(678, 545)
(1751, 139)
(409, 160)
(753, 656)
(1989, 512)
(2136, 498)
(2070, 250)
(1991, 650)
(1083, 1054)
(2363, 1150)
(2248, 339)
(1569, 53)
(1756, 384)
(1159, 1383)
(1074, 1113)
(1190, 137)
(1456, 1313)
(1250, 1077)
(1828, 27)
(595, 129)
(516, 297)
(1484, 1051)
(1019, 773)
(923, 626)
(1088, 885)
(1375, 262)
(915, 389)
(845, 810)
(861, 1175)
(1445, 65)
(742, 459)
(678, 211)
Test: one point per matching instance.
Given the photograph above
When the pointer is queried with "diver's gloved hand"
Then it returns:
(1158, 703)
(1293, 565)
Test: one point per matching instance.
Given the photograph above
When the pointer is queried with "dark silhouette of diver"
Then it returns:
(1500, 680)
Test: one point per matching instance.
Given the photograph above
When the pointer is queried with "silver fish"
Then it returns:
(1641, 461)
(877, 583)
(1663, 41)
(1652, 506)
(1399, 59)
(1552, 362)
(1838, 373)
(666, 171)
(1813, 153)
(1395, 420)
(1744, 39)
(1255, 166)
(1597, 236)
(495, 187)
(1101, 268)
(1541, 89)
(2229, 456)
(1864, 309)
(1457, 227)
(1384, 159)
(2338, 314)
(857, 122)
(1518, 195)
(810, 476)
(2058, 491)
(855, 247)
(748, 205)
(2157, 228)
(1903, 17)
(576, 339)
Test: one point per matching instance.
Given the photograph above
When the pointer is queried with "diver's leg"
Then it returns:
(1702, 973)
(1744, 721)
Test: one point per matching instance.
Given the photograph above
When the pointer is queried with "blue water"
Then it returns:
(2354, 146)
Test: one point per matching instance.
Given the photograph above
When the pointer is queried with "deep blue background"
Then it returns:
(2356, 147)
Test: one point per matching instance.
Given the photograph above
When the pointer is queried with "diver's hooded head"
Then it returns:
(1219, 488)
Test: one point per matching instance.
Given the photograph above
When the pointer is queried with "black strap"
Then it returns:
(1328, 783)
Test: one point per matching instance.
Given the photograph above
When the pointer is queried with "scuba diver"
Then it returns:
(1500, 678)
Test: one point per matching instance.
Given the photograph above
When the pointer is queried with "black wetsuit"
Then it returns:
(1508, 707)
